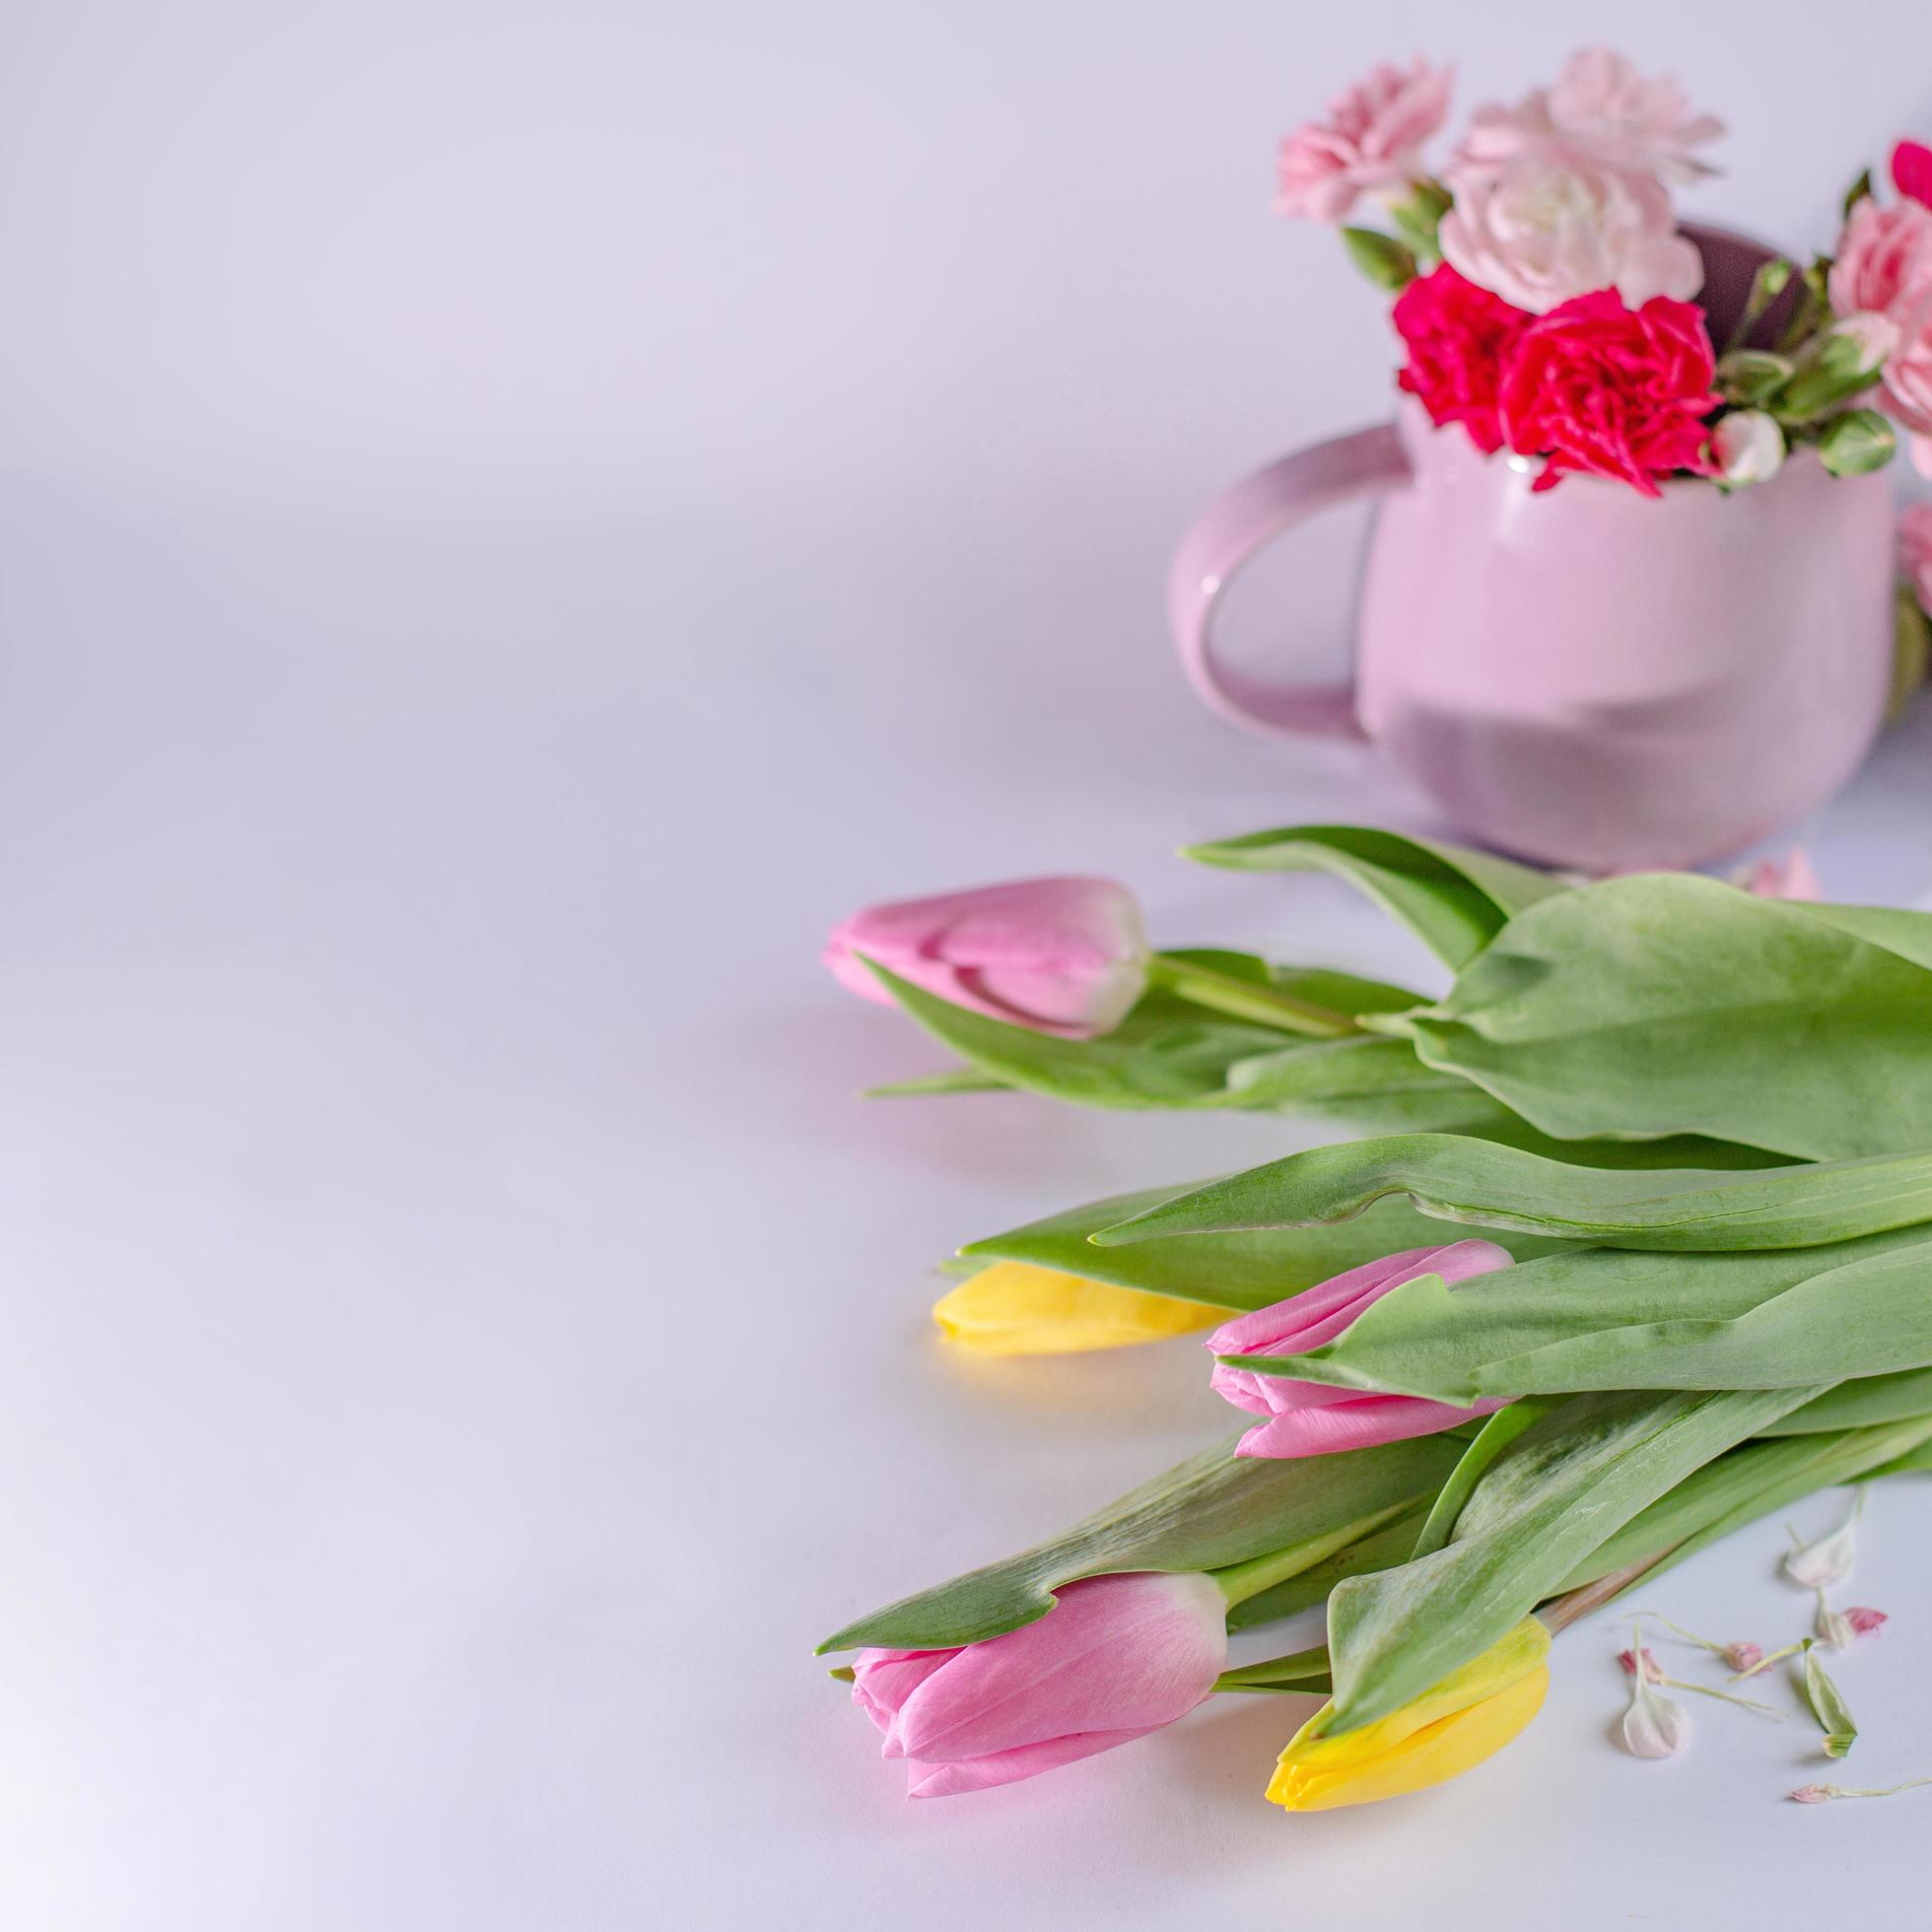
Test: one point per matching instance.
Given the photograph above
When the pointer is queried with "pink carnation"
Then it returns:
(1915, 551)
(1884, 266)
(1546, 225)
(1911, 169)
(1604, 390)
(1371, 139)
(1458, 337)
(1601, 112)
(1866, 1623)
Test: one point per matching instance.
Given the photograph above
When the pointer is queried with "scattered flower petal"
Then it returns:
(1817, 1565)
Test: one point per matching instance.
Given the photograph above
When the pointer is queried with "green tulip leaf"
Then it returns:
(1455, 1178)
(1753, 1480)
(1233, 1270)
(1553, 1495)
(1213, 1510)
(1673, 1005)
(1605, 1317)
(1454, 900)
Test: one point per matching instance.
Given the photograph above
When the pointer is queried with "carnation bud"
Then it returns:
(1859, 441)
(1748, 446)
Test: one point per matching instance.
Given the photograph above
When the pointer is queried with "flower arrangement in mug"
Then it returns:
(1677, 1132)
(1546, 296)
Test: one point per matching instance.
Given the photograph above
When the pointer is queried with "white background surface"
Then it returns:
(514, 519)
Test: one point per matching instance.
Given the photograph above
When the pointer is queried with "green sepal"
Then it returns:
(1381, 257)
(1748, 376)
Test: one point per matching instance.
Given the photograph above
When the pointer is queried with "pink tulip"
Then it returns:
(1061, 955)
(1115, 1657)
(1371, 140)
(1311, 1418)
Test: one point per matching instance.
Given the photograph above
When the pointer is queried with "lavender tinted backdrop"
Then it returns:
(517, 518)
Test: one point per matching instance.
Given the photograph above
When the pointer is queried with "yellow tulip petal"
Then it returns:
(1434, 1755)
(1013, 1308)
(1453, 1724)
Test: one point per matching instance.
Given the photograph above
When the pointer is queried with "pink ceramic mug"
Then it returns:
(1586, 677)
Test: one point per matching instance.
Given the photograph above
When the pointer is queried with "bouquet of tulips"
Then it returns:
(1637, 1249)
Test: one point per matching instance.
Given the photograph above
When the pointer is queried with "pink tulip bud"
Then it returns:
(1312, 1419)
(1866, 1623)
(1811, 1794)
(1115, 1657)
(1059, 955)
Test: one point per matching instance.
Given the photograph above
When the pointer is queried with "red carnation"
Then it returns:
(1911, 171)
(1612, 391)
(1459, 336)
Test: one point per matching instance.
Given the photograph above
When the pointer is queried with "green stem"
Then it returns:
(1247, 999)
(1240, 1581)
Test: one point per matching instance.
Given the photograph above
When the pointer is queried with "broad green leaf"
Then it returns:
(1235, 1271)
(1556, 1493)
(1755, 1479)
(1213, 1510)
(1454, 900)
(1604, 1318)
(1382, 1549)
(1862, 1403)
(1673, 1005)
(1457, 1178)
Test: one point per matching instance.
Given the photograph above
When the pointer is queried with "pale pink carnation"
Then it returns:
(1915, 551)
(1600, 111)
(1546, 226)
(1884, 266)
(1372, 138)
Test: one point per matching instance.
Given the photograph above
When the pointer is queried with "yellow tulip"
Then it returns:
(1013, 1308)
(1446, 1731)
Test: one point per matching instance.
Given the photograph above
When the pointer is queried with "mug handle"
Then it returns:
(1230, 531)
